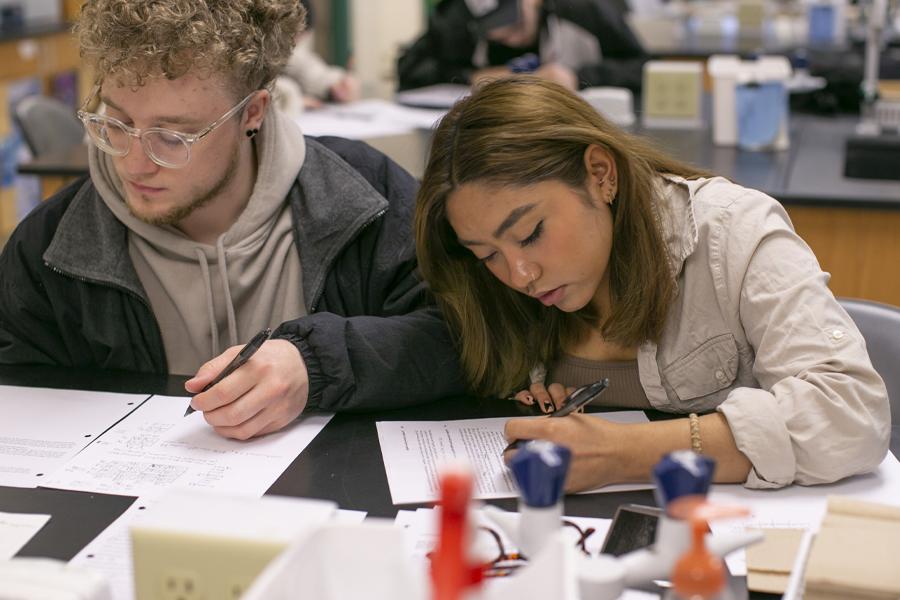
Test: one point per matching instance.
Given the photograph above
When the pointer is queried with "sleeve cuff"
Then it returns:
(761, 434)
(314, 373)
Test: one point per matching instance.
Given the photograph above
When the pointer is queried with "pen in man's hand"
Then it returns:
(573, 402)
(242, 357)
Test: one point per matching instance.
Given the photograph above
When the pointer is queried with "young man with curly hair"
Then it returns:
(208, 217)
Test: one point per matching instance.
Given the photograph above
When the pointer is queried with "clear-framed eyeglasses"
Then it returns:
(165, 147)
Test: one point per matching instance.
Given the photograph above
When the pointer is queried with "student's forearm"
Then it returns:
(646, 443)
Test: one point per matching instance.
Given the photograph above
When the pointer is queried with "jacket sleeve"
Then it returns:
(377, 341)
(623, 56)
(28, 333)
(443, 54)
(822, 412)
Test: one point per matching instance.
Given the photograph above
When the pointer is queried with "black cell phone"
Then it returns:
(633, 527)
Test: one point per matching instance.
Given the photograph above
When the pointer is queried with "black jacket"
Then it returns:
(70, 296)
(446, 52)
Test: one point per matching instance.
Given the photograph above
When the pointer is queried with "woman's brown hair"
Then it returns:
(519, 132)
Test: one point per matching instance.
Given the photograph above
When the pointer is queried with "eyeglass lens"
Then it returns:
(164, 148)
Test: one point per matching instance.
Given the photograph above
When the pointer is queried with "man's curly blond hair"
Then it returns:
(247, 41)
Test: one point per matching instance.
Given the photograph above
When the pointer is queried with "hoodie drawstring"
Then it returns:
(210, 309)
(229, 302)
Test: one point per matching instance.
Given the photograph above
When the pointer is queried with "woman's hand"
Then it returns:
(549, 398)
(597, 446)
(605, 452)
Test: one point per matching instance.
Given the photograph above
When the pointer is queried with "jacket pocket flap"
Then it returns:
(705, 370)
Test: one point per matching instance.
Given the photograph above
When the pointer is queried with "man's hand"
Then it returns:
(262, 396)
(596, 444)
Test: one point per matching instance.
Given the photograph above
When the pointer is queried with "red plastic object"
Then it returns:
(452, 572)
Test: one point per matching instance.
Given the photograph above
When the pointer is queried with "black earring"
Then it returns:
(252, 132)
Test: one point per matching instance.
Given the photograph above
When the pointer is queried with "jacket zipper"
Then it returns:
(318, 295)
(100, 283)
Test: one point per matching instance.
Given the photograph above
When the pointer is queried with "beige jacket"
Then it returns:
(756, 334)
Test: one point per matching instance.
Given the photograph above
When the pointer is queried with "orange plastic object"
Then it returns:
(451, 572)
(698, 574)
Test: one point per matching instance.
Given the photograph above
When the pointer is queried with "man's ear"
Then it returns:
(255, 111)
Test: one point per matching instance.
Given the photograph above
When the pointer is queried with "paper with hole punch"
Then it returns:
(157, 448)
(42, 428)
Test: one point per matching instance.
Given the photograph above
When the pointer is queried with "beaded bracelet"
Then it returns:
(696, 446)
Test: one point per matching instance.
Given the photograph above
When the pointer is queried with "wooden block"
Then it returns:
(769, 564)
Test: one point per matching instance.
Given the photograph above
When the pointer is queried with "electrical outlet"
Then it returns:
(673, 95)
(236, 589)
(200, 546)
(180, 585)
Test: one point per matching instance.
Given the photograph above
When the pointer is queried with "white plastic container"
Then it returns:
(729, 74)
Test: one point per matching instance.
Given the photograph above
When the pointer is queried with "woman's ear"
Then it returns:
(601, 173)
(599, 164)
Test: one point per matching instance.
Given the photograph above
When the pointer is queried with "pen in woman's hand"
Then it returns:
(573, 402)
(242, 357)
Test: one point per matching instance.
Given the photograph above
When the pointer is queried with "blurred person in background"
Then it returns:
(576, 43)
(307, 80)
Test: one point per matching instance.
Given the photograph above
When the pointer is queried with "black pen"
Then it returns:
(236, 362)
(573, 402)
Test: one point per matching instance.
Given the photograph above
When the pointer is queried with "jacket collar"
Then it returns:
(675, 212)
(330, 204)
(91, 244)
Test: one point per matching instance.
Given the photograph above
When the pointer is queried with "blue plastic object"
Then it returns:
(761, 110)
(682, 473)
(540, 468)
(527, 63)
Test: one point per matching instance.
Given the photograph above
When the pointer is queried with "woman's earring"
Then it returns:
(252, 132)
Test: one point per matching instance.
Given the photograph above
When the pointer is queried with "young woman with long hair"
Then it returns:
(562, 250)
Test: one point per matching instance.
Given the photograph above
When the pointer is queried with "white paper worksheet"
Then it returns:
(157, 447)
(16, 529)
(41, 429)
(366, 119)
(413, 452)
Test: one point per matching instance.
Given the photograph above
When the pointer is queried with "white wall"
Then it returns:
(42, 10)
(379, 28)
